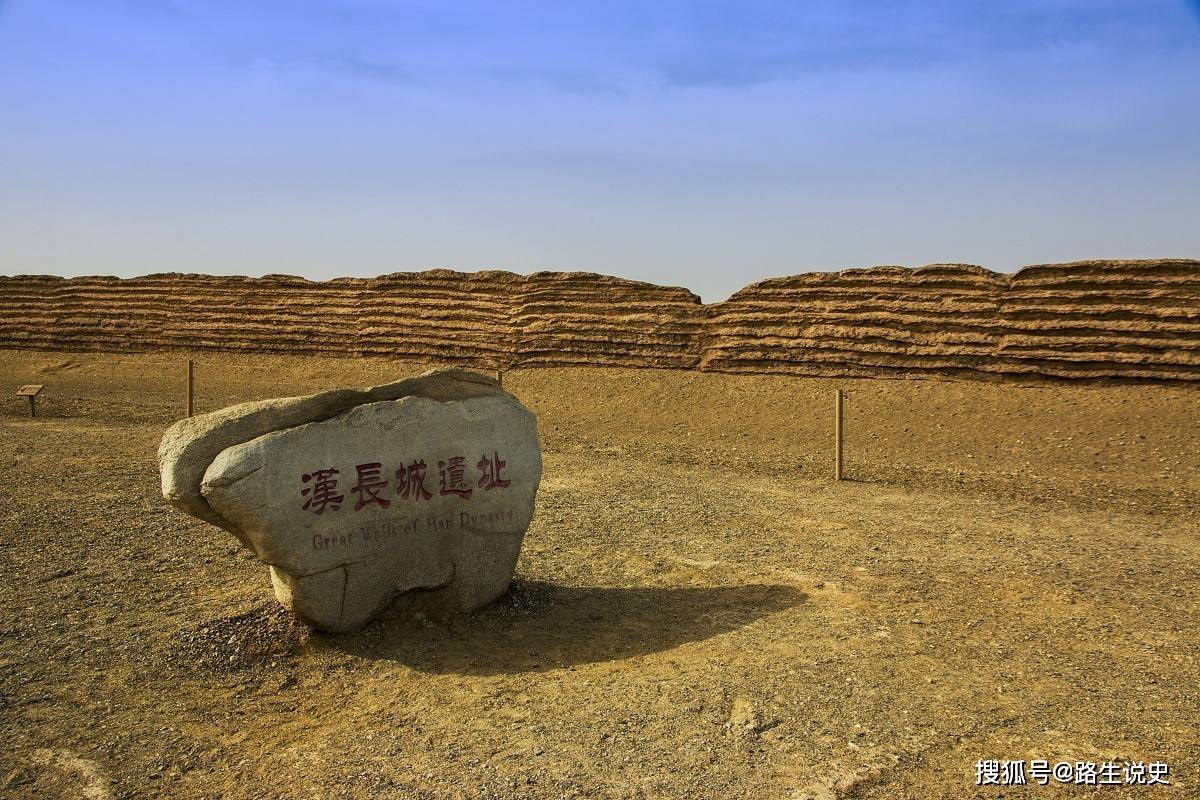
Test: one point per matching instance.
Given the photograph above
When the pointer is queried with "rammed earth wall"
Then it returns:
(1089, 320)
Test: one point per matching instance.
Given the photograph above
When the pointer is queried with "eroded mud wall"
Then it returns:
(1101, 319)
(1112, 319)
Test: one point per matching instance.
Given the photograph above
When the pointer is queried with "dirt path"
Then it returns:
(699, 612)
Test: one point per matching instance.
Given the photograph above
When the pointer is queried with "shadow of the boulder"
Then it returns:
(541, 626)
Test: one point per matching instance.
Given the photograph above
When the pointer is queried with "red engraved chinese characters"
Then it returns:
(452, 475)
(491, 470)
(323, 491)
(320, 488)
(410, 482)
(369, 485)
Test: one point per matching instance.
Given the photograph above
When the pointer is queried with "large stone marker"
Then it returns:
(367, 502)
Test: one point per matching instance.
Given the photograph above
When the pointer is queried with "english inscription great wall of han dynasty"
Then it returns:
(1135, 320)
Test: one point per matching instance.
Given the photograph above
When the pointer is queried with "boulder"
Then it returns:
(191, 444)
(368, 502)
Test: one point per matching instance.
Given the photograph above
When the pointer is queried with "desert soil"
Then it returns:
(1011, 572)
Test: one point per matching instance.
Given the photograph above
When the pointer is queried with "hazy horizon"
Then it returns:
(705, 145)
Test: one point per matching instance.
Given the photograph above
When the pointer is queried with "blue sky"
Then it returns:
(705, 144)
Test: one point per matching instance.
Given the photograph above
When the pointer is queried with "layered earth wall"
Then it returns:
(1094, 319)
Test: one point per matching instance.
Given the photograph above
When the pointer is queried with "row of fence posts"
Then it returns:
(839, 397)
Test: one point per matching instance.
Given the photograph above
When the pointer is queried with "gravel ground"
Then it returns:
(699, 611)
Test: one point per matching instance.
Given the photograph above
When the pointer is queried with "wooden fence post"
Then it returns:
(837, 439)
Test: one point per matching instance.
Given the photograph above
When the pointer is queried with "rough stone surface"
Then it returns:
(191, 444)
(434, 488)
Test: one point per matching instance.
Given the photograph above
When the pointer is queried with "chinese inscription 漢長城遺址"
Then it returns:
(320, 487)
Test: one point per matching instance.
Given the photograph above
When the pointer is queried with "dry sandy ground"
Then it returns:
(699, 611)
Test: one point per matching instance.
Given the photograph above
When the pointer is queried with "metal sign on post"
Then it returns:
(31, 391)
